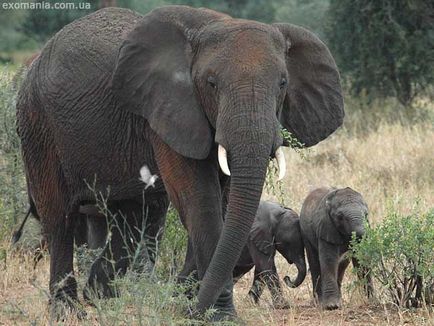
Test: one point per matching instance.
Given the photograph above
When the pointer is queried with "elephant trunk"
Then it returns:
(246, 188)
(301, 267)
(248, 139)
(357, 222)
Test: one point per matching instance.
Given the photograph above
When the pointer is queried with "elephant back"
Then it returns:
(83, 53)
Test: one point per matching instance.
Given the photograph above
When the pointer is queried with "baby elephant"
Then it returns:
(328, 218)
(275, 228)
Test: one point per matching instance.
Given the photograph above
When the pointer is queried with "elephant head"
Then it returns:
(278, 228)
(289, 243)
(346, 213)
(201, 78)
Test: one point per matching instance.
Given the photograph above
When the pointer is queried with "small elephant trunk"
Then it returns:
(301, 267)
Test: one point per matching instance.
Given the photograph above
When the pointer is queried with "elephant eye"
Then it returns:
(212, 81)
(283, 83)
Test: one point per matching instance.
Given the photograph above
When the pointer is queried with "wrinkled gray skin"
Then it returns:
(328, 218)
(114, 91)
(275, 228)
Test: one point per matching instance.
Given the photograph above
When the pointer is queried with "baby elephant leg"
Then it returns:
(315, 271)
(343, 264)
(270, 278)
(273, 283)
(329, 262)
(257, 287)
(364, 275)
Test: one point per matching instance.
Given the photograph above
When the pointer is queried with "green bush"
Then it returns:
(13, 199)
(173, 247)
(399, 254)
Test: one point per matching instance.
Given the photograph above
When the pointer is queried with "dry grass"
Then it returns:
(392, 166)
(391, 163)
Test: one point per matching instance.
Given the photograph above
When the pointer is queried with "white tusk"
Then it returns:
(281, 163)
(223, 160)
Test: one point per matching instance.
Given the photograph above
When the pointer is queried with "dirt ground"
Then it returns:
(24, 301)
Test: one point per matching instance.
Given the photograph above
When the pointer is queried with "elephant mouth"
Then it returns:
(278, 154)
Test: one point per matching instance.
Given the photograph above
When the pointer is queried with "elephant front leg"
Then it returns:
(273, 284)
(257, 287)
(188, 275)
(193, 187)
(266, 274)
(329, 261)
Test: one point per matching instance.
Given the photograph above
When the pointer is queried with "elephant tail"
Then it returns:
(18, 233)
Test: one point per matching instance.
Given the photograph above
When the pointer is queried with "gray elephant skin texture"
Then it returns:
(275, 229)
(328, 219)
(116, 91)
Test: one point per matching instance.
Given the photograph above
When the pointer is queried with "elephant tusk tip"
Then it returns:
(223, 160)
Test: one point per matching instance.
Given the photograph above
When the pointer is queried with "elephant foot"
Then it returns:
(60, 309)
(222, 315)
(223, 310)
(331, 303)
(99, 282)
(216, 315)
(64, 301)
(187, 285)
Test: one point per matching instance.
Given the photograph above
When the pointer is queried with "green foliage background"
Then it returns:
(383, 48)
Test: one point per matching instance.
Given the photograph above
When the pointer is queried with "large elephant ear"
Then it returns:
(152, 78)
(313, 107)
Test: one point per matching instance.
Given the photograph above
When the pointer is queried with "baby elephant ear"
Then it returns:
(328, 232)
(152, 79)
(326, 228)
(313, 106)
(262, 238)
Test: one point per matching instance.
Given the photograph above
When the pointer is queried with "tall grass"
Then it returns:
(382, 151)
(12, 190)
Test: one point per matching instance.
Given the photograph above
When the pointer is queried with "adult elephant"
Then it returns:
(178, 90)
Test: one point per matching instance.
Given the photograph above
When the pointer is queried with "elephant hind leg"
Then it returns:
(122, 249)
(49, 192)
(63, 286)
(365, 275)
(155, 211)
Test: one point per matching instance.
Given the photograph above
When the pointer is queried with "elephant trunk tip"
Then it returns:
(359, 233)
(301, 267)
(289, 282)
